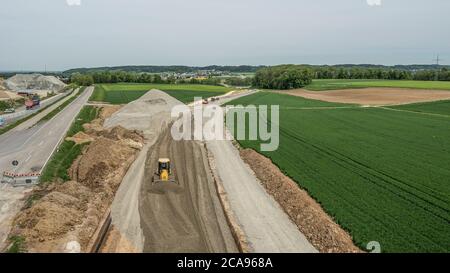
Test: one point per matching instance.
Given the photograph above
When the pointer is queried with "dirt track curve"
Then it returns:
(187, 217)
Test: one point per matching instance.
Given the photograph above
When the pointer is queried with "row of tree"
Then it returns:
(132, 77)
(380, 73)
(82, 79)
(275, 77)
(283, 77)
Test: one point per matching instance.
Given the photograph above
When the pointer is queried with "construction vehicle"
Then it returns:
(35, 101)
(164, 172)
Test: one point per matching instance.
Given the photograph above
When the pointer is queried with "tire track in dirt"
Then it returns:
(187, 217)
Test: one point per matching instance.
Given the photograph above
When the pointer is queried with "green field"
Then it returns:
(321, 85)
(125, 93)
(383, 175)
(438, 107)
(68, 151)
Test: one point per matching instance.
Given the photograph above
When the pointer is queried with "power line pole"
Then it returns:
(438, 61)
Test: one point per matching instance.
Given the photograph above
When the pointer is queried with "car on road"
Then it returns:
(10, 111)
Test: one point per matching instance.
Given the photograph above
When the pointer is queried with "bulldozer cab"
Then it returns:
(164, 180)
(164, 165)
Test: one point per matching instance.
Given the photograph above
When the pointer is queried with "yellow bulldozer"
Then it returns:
(164, 172)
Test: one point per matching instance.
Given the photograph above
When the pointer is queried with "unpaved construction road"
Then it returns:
(183, 217)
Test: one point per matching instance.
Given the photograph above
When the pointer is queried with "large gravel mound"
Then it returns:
(2, 87)
(149, 114)
(22, 82)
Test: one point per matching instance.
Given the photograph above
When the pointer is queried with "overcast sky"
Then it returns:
(61, 34)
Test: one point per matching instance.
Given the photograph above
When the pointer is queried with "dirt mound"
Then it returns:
(67, 214)
(22, 82)
(2, 86)
(101, 163)
(120, 133)
(149, 114)
(318, 227)
(80, 138)
(373, 96)
(6, 95)
(108, 111)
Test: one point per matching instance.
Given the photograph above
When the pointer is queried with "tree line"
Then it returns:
(275, 77)
(132, 77)
(380, 74)
(297, 76)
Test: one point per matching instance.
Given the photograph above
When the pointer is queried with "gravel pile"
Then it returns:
(149, 114)
(21, 82)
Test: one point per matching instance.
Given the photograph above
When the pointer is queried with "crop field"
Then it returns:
(320, 85)
(383, 175)
(437, 107)
(125, 93)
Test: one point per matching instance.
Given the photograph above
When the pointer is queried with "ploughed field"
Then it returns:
(122, 93)
(382, 174)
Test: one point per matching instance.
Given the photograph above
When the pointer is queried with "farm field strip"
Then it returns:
(320, 85)
(124, 93)
(375, 171)
(438, 107)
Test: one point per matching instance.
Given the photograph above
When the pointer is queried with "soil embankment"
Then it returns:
(64, 216)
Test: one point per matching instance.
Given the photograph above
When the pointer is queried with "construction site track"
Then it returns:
(186, 216)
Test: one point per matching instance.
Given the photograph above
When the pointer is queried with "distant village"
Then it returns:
(198, 75)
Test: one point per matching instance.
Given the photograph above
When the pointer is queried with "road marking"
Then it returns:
(40, 144)
(28, 158)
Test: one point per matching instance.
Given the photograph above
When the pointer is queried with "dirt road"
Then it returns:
(267, 227)
(187, 217)
(190, 220)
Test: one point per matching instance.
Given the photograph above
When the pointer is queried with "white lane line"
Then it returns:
(40, 144)
(28, 158)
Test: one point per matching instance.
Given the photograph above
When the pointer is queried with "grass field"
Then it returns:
(321, 85)
(125, 93)
(383, 175)
(438, 107)
(68, 151)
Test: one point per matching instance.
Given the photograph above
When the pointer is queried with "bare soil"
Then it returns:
(318, 227)
(185, 216)
(71, 212)
(373, 96)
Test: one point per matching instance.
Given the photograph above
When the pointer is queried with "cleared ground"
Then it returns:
(373, 96)
(122, 93)
(187, 217)
(382, 174)
(190, 220)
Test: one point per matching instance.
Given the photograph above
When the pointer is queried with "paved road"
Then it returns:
(21, 112)
(32, 147)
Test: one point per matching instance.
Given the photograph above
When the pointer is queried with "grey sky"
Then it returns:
(229, 32)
